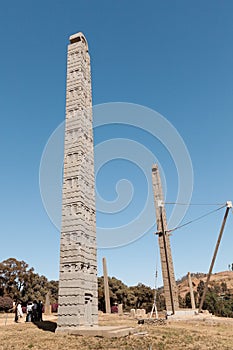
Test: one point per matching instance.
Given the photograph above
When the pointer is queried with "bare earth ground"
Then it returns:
(214, 333)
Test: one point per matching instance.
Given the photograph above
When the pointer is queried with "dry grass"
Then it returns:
(196, 335)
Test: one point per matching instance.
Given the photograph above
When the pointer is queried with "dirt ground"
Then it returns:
(214, 333)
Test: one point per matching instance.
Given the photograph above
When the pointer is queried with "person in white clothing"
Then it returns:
(29, 312)
(19, 310)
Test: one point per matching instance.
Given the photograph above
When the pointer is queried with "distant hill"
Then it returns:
(216, 280)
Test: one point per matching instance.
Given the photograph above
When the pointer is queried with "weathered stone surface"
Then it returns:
(106, 288)
(47, 307)
(140, 313)
(103, 331)
(170, 287)
(120, 309)
(132, 313)
(191, 291)
(78, 304)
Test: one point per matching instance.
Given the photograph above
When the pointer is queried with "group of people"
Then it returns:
(34, 311)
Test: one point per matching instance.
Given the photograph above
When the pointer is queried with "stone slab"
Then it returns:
(189, 314)
(103, 331)
(184, 313)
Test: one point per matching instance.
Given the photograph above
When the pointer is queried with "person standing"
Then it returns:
(35, 311)
(19, 310)
(29, 312)
(40, 310)
(15, 309)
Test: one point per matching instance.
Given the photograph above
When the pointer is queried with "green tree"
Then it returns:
(139, 296)
(187, 299)
(14, 276)
(160, 300)
(144, 297)
(6, 303)
(200, 290)
(224, 287)
(52, 287)
(101, 298)
(182, 301)
(211, 301)
(35, 288)
(18, 281)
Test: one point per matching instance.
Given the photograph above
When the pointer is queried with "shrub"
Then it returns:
(24, 309)
(114, 309)
(54, 307)
(6, 303)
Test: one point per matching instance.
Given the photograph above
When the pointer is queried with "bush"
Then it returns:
(6, 303)
(24, 309)
(54, 307)
(114, 309)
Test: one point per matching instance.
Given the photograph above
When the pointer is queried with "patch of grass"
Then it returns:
(188, 339)
(174, 336)
(161, 346)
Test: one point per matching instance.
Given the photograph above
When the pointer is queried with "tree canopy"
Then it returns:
(134, 297)
(19, 282)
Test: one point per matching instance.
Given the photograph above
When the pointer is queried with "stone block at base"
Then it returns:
(183, 313)
(100, 331)
(189, 314)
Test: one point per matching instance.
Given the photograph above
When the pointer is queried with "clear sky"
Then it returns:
(174, 57)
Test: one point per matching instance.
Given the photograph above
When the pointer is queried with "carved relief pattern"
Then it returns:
(78, 266)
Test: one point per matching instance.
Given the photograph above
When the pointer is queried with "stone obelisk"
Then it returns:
(193, 304)
(106, 287)
(78, 300)
(170, 287)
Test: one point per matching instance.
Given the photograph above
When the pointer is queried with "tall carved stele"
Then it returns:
(169, 282)
(78, 301)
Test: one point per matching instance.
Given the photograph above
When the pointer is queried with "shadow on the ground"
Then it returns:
(47, 326)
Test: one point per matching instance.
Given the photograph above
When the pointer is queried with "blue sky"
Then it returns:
(174, 57)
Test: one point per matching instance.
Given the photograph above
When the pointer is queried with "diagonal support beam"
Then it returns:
(228, 207)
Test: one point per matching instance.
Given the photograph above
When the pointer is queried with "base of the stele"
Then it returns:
(98, 331)
(188, 314)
